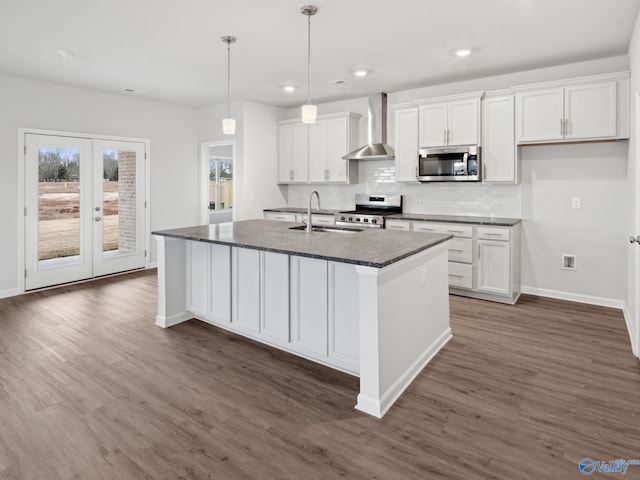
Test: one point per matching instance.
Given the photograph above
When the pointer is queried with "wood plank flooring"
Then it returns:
(91, 389)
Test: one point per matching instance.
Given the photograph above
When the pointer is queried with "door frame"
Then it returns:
(204, 176)
(22, 178)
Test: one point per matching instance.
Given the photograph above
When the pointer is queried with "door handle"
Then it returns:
(633, 239)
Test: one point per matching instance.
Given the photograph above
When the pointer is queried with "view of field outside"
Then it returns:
(59, 202)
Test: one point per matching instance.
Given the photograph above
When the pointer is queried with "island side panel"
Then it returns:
(171, 282)
(404, 329)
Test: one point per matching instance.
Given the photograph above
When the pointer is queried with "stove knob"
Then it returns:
(366, 220)
(351, 219)
(373, 220)
(357, 219)
(342, 218)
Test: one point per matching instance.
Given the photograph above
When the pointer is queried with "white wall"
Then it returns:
(553, 175)
(595, 172)
(171, 129)
(256, 158)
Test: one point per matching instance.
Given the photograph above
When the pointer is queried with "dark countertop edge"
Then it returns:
(305, 254)
(301, 210)
(425, 217)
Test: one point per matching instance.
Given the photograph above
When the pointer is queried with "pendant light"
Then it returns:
(309, 111)
(228, 124)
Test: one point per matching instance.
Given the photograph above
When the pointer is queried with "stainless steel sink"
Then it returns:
(302, 228)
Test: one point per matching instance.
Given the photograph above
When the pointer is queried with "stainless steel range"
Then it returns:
(370, 210)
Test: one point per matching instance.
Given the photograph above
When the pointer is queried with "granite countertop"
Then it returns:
(302, 210)
(421, 217)
(371, 247)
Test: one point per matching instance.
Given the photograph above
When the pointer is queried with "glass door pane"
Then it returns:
(58, 203)
(119, 203)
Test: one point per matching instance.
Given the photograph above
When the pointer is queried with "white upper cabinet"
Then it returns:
(293, 145)
(499, 153)
(584, 109)
(406, 144)
(313, 153)
(450, 121)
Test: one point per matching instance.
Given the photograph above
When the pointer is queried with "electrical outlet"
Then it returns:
(576, 204)
(569, 262)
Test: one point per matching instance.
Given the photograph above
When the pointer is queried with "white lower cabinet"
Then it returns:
(208, 294)
(494, 265)
(309, 305)
(491, 270)
(281, 216)
(304, 305)
(245, 278)
(274, 292)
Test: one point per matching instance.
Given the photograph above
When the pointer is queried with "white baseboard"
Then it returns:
(632, 333)
(574, 297)
(152, 265)
(171, 320)
(12, 292)
(378, 407)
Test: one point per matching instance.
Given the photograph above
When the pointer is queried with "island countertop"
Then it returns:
(369, 247)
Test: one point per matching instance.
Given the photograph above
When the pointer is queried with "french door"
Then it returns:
(84, 211)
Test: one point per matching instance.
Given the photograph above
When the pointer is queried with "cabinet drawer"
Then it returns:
(461, 250)
(460, 275)
(449, 228)
(319, 219)
(397, 225)
(283, 217)
(494, 233)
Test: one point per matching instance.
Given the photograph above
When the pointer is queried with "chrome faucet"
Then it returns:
(309, 223)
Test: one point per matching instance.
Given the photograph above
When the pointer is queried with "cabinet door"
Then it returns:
(318, 152)
(274, 321)
(285, 153)
(403, 225)
(281, 216)
(309, 305)
(344, 320)
(433, 125)
(498, 155)
(197, 255)
(406, 144)
(246, 289)
(494, 266)
(590, 111)
(337, 147)
(463, 122)
(300, 153)
(220, 283)
(539, 115)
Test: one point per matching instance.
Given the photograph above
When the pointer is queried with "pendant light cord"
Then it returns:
(309, 59)
(228, 79)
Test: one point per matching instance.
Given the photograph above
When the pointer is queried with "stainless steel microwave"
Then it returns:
(449, 164)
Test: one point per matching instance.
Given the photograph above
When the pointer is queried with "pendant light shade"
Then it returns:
(309, 111)
(228, 124)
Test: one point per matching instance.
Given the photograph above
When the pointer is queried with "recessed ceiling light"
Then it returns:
(289, 88)
(463, 52)
(360, 73)
(67, 54)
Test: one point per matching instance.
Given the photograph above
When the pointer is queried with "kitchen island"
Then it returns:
(372, 303)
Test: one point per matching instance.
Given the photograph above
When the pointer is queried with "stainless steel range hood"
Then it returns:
(377, 148)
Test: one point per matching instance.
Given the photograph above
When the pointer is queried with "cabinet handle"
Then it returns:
(457, 276)
(445, 136)
(326, 174)
(455, 231)
(448, 136)
(562, 127)
(416, 172)
(455, 250)
(290, 174)
(566, 127)
(493, 234)
(478, 252)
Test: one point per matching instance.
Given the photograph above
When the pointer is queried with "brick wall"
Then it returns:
(127, 201)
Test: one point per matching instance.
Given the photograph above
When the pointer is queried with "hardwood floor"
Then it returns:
(91, 389)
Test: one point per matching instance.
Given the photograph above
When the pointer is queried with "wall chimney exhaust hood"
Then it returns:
(377, 148)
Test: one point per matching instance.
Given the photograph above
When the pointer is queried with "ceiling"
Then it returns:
(171, 50)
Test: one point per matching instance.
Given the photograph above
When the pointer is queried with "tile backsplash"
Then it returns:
(378, 176)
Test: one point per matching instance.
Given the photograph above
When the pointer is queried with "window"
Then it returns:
(220, 183)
